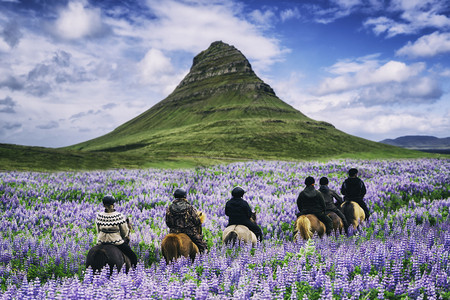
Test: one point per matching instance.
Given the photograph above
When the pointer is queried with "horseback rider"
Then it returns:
(182, 217)
(113, 228)
(239, 212)
(311, 201)
(328, 195)
(354, 189)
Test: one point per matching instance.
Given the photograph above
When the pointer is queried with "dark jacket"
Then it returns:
(328, 195)
(311, 201)
(182, 216)
(238, 211)
(353, 189)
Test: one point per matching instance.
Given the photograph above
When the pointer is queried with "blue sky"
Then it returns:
(74, 70)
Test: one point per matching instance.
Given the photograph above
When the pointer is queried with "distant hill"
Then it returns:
(223, 110)
(421, 142)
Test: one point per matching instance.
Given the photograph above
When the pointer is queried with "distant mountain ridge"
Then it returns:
(223, 110)
(418, 142)
(421, 142)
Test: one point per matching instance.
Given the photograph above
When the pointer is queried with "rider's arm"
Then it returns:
(337, 197)
(124, 230)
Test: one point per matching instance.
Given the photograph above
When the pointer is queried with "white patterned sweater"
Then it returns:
(112, 228)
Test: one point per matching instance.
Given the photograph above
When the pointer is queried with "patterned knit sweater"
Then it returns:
(112, 228)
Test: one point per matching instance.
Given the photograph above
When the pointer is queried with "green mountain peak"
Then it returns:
(222, 109)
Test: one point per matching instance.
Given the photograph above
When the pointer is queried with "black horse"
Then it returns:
(102, 255)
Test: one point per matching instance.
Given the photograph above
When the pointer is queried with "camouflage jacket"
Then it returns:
(182, 217)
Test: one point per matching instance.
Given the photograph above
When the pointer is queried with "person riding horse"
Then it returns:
(113, 228)
(328, 195)
(182, 217)
(354, 189)
(239, 212)
(311, 201)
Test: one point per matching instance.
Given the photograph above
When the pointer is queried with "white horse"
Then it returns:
(238, 233)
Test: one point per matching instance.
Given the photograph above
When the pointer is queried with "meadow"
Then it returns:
(402, 252)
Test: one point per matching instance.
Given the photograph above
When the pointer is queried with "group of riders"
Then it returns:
(181, 217)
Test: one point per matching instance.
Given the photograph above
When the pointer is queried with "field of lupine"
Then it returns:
(403, 252)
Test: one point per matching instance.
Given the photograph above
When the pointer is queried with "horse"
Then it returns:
(307, 225)
(239, 233)
(175, 245)
(106, 254)
(353, 213)
(338, 225)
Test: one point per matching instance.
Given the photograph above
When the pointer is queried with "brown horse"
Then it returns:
(175, 245)
(239, 233)
(307, 225)
(338, 225)
(353, 213)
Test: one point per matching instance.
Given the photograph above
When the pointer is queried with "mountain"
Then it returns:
(223, 110)
(421, 142)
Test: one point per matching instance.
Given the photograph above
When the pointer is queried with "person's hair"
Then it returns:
(309, 181)
(323, 181)
(352, 172)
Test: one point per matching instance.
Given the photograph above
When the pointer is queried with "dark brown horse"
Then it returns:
(175, 245)
(101, 255)
(307, 225)
(353, 213)
(338, 225)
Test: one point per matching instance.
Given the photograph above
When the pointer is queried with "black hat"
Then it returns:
(180, 193)
(352, 172)
(109, 200)
(309, 181)
(323, 181)
(237, 192)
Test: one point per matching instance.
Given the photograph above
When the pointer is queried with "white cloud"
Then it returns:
(376, 122)
(78, 21)
(427, 45)
(410, 16)
(289, 14)
(157, 71)
(354, 75)
(179, 25)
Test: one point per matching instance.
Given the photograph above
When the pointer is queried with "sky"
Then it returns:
(74, 70)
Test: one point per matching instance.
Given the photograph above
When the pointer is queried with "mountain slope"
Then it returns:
(221, 109)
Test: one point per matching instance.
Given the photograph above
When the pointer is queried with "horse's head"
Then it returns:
(253, 217)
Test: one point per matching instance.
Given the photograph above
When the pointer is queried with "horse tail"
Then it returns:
(304, 227)
(170, 247)
(99, 260)
(232, 237)
(348, 209)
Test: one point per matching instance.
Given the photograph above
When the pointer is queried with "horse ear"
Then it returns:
(202, 216)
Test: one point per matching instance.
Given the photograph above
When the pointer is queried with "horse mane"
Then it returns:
(232, 237)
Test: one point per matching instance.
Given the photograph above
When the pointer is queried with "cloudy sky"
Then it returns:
(74, 70)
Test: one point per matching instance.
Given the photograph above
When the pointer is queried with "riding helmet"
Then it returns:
(323, 181)
(109, 200)
(180, 193)
(237, 192)
(309, 181)
(352, 172)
